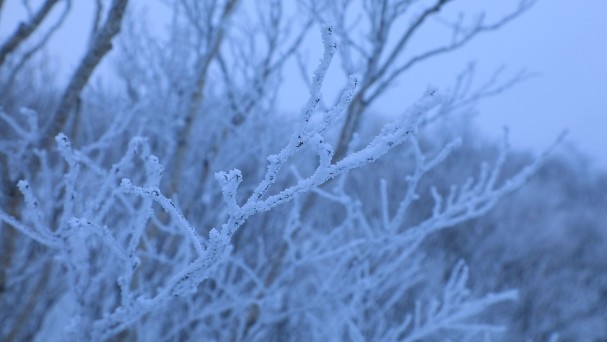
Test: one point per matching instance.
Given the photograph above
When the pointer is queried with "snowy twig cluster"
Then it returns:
(123, 236)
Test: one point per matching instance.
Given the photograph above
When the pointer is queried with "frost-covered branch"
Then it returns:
(100, 241)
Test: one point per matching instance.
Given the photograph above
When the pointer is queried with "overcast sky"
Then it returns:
(565, 41)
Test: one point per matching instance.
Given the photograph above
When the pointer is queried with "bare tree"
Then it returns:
(213, 34)
(381, 64)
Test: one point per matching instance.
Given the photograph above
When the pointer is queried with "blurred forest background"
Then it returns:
(379, 253)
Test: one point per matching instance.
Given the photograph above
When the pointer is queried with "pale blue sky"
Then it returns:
(563, 40)
(566, 41)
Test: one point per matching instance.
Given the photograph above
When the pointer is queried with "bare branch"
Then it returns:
(25, 30)
(39, 45)
(381, 87)
(97, 20)
(99, 48)
(406, 37)
(378, 80)
(374, 71)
